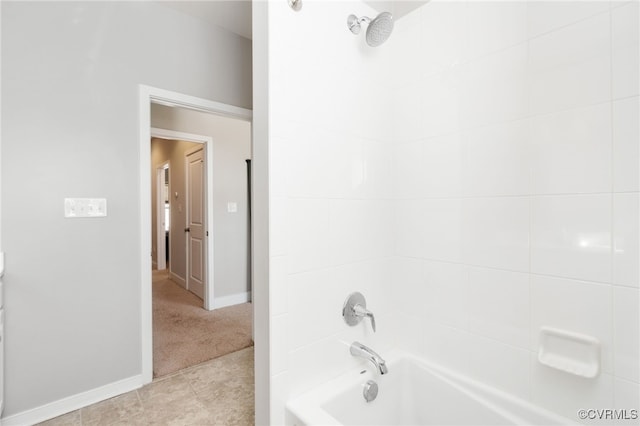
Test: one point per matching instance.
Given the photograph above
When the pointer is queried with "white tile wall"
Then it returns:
(571, 66)
(626, 330)
(625, 51)
(625, 239)
(476, 178)
(500, 307)
(626, 144)
(497, 161)
(571, 236)
(571, 151)
(496, 232)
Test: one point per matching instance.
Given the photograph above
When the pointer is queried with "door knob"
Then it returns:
(187, 230)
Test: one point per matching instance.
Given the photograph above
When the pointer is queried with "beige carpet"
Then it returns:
(184, 334)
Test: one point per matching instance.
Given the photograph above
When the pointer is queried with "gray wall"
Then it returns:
(231, 147)
(70, 76)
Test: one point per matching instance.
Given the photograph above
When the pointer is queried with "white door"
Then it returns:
(195, 230)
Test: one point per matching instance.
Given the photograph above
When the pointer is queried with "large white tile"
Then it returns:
(278, 167)
(377, 179)
(278, 284)
(316, 301)
(486, 360)
(314, 151)
(444, 36)
(502, 366)
(625, 54)
(626, 331)
(441, 103)
(545, 16)
(565, 394)
(446, 293)
(575, 306)
(495, 87)
(626, 255)
(407, 65)
(626, 144)
(571, 237)
(409, 294)
(408, 170)
(627, 398)
(495, 25)
(410, 227)
(442, 165)
(407, 113)
(570, 86)
(447, 346)
(499, 305)
(571, 151)
(441, 229)
(571, 67)
(496, 232)
(571, 44)
(278, 226)
(359, 230)
(497, 160)
(307, 222)
(278, 343)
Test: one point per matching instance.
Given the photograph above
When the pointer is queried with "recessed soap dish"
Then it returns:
(573, 353)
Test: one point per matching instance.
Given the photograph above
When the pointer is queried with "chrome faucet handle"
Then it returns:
(355, 308)
(361, 311)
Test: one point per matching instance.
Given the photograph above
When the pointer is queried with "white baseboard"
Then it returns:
(177, 279)
(72, 403)
(233, 299)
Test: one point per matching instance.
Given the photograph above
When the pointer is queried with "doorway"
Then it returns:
(150, 96)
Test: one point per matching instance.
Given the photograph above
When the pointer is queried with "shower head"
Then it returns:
(378, 30)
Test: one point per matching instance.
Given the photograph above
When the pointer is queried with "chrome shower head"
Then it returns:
(379, 28)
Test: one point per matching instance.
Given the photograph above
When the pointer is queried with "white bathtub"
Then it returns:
(414, 392)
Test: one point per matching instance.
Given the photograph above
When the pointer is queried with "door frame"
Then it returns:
(146, 96)
(161, 247)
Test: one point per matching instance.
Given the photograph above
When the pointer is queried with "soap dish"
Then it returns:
(570, 352)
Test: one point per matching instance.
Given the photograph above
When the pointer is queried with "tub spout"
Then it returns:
(360, 350)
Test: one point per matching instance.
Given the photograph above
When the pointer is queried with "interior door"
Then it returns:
(195, 230)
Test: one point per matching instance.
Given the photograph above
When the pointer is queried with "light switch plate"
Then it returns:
(232, 207)
(85, 207)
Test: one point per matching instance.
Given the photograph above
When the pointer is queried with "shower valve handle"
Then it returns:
(363, 312)
(355, 308)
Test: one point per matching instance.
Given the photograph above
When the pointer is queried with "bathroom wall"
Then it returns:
(70, 76)
(516, 185)
(513, 162)
(330, 185)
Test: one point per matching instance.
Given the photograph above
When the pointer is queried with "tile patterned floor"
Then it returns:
(217, 392)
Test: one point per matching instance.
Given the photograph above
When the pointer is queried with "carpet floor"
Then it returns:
(185, 334)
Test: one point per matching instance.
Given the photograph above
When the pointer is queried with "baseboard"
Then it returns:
(233, 299)
(177, 279)
(72, 403)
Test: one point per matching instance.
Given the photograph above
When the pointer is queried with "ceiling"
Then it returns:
(232, 15)
(235, 15)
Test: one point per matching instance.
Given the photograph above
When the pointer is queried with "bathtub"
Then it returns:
(414, 392)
